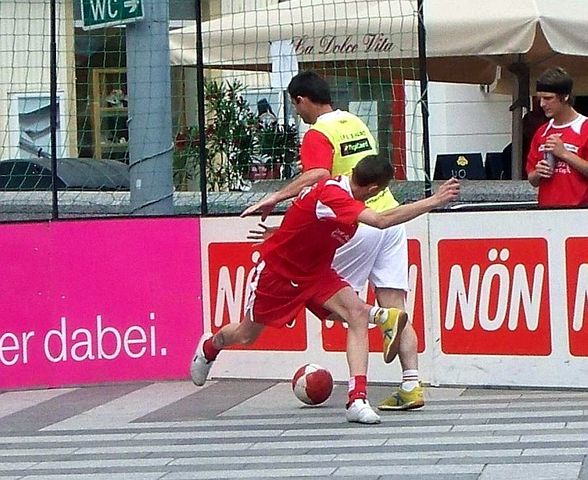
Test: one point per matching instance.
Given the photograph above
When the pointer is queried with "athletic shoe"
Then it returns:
(200, 366)
(360, 411)
(395, 323)
(404, 400)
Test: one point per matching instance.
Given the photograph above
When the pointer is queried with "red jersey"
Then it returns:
(320, 220)
(567, 186)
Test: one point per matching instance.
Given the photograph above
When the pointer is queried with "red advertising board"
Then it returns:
(494, 296)
(334, 333)
(230, 267)
(577, 294)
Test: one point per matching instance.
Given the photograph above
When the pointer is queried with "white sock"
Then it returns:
(410, 380)
(381, 313)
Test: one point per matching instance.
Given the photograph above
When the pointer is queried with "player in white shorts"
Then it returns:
(381, 257)
(370, 254)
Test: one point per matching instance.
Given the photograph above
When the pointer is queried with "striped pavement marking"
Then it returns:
(128, 407)
(13, 402)
(257, 429)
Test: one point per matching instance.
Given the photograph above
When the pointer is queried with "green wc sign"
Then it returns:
(105, 13)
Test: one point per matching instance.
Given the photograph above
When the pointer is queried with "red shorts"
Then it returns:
(274, 300)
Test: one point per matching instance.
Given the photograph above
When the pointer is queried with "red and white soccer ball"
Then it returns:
(312, 384)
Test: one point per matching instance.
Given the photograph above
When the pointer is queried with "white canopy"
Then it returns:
(320, 31)
(536, 33)
(466, 39)
(473, 27)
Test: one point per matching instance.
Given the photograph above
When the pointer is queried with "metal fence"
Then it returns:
(113, 107)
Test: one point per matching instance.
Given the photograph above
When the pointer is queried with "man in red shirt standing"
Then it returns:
(558, 158)
(295, 271)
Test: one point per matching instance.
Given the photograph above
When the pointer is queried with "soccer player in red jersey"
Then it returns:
(334, 143)
(295, 271)
(558, 158)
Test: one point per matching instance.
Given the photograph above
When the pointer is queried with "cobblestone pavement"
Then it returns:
(257, 429)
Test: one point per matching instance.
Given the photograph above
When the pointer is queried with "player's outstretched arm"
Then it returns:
(268, 203)
(448, 192)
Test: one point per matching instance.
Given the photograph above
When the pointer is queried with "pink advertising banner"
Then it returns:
(94, 301)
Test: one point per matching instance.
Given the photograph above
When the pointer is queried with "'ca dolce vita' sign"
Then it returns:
(335, 44)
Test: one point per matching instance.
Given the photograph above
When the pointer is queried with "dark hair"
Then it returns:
(312, 86)
(372, 169)
(556, 80)
(263, 106)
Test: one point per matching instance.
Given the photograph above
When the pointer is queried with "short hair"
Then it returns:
(311, 85)
(556, 80)
(372, 169)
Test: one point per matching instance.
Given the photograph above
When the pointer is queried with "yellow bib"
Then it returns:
(351, 140)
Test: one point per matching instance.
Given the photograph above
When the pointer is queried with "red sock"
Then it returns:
(357, 388)
(210, 352)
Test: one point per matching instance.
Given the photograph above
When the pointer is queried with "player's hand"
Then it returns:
(543, 169)
(555, 145)
(261, 235)
(265, 206)
(448, 192)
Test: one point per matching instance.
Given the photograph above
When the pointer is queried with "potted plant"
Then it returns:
(240, 147)
(231, 139)
(231, 125)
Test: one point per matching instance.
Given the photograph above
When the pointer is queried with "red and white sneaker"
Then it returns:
(360, 411)
(200, 367)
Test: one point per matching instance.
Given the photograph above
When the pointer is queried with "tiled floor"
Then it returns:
(257, 429)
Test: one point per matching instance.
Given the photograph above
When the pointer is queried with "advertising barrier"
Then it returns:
(228, 261)
(496, 298)
(576, 252)
(511, 301)
(98, 301)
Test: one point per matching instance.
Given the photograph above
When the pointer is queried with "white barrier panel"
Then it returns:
(511, 301)
(497, 298)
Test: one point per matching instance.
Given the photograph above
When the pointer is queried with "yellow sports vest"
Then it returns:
(352, 140)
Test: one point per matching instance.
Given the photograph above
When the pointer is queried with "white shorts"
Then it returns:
(380, 256)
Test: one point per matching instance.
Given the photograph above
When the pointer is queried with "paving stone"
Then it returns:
(257, 429)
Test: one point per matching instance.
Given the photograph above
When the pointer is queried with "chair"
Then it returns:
(459, 165)
(498, 166)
